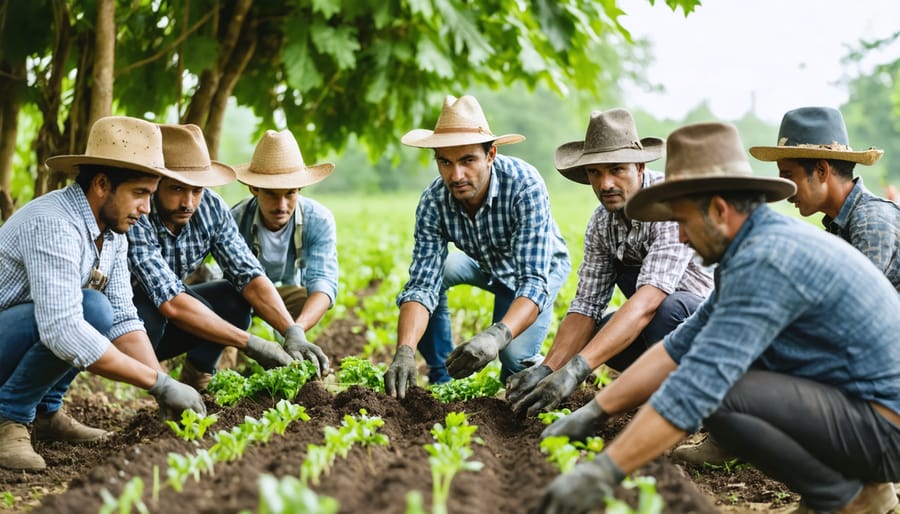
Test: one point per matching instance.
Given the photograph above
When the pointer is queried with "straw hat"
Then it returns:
(278, 164)
(461, 122)
(814, 133)
(187, 157)
(703, 158)
(611, 138)
(120, 142)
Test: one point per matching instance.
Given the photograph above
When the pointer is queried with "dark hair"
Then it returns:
(116, 176)
(487, 146)
(744, 202)
(843, 169)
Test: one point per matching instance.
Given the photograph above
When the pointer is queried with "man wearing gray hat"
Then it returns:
(648, 263)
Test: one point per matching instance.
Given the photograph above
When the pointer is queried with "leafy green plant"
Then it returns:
(564, 455)
(8, 499)
(288, 495)
(130, 498)
(649, 501)
(484, 383)
(228, 386)
(356, 371)
(285, 382)
(549, 417)
(362, 429)
(448, 455)
(193, 426)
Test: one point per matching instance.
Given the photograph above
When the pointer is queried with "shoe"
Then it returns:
(193, 377)
(15, 448)
(706, 452)
(872, 499)
(59, 426)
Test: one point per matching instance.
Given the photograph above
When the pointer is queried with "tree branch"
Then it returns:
(166, 50)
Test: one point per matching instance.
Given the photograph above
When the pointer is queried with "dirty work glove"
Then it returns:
(584, 422)
(520, 384)
(298, 347)
(402, 372)
(555, 388)
(174, 397)
(266, 353)
(474, 354)
(582, 489)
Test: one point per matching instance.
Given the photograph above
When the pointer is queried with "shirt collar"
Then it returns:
(758, 216)
(77, 196)
(850, 203)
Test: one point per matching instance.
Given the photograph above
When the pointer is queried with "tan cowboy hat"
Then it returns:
(278, 164)
(187, 157)
(814, 133)
(120, 142)
(703, 158)
(461, 122)
(611, 138)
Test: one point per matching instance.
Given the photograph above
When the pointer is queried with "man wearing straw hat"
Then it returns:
(497, 211)
(792, 363)
(813, 151)
(646, 260)
(293, 237)
(187, 222)
(65, 294)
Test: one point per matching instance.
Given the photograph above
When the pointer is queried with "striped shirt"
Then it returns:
(47, 252)
(610, 242)
(512, 237)
(160, 260)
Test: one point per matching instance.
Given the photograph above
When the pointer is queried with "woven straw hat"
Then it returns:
(278, 164)
(187, 157)
(461, 122)
(703, 158)
(611, 138)
(120, 142)
(814, 133)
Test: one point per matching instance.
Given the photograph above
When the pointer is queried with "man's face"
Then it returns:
(276, 206)
(615, 183)
(123, 207)
(176, 202)
(811, 191)
(466, 171)
(698, 230)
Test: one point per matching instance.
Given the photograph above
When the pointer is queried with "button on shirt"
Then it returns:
(665, 262)
(160, 260)
(789, 299)
(512, 237)
(47, 252)
(872, 225)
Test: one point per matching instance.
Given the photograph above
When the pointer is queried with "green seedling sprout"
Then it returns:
(8, 499)
(338, 441)
(448, 455)
(130, 498)
(564, 455)
(289, 495)
(649, 501)
(193, 426)
(483, 383)
(549, 417)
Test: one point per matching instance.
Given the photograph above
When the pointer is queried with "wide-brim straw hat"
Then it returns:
(703, 158)
(118, 142)
(187, 157)
(461, 122)
(815, 133)
(611, 138)
(278, 164)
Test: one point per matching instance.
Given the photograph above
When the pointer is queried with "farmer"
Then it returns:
(65, 295)
(813, 152)
(792, 363)
(186, 223)
(646, 260)
(496, 210)
(296, 246)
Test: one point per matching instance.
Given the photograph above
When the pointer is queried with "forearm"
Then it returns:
(624, 326)
(521, 314)
(573, 334)
(137, 345)
(313, 310)
(638, 382)
(412, 323)
(267, 303)
(645, 438)
(115, 365)
(192, 316)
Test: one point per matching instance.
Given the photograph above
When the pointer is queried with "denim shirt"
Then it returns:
(872, 225)
(789, 299)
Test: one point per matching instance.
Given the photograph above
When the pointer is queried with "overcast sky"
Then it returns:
(783, 53)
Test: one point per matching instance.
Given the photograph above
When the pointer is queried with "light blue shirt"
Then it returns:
(790, 299)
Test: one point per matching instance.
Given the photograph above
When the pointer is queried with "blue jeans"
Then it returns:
(169, 341)
(34, 380)
(437, 342)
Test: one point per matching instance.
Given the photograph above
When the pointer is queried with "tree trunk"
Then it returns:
(233, 71)
(104, 61)
(12, 84)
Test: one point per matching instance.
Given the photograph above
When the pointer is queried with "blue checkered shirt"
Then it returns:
(513, 236)
(872, 225)
(610, 241)
(47, 252)
(160, 260)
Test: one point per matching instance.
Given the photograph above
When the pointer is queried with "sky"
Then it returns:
(776, 54)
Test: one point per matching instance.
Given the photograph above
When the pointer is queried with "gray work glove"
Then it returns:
(266, 353)
(477, 352)
(298, 347)
(555, 388)
(401, 375)
(581, 424)
(582, 489)
(520, 384)
(174, 397)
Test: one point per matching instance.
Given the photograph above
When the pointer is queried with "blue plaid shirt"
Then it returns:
(790, 299)
(47, 252)
(160, 260)
(872, 225)
(513, 237)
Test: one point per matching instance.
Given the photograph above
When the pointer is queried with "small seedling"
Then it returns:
(193, 426)
(130, 498)
(549, 417)
(8, 499)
